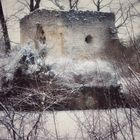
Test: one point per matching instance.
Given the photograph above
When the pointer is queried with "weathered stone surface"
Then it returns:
(67, 33)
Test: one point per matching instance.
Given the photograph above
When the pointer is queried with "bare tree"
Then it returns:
(30, 5)
(99, 4)
(125, 15)
(73, 4)
(34, 4)
(122, 12)
(4, 29)
(57, 4)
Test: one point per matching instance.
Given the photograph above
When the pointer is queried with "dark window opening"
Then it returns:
(88, 39)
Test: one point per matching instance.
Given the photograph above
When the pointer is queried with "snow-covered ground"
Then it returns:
(80, 125)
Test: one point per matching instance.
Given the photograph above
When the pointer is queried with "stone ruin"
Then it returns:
(75, 34)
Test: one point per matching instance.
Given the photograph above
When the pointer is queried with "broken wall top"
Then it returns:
(67, 17)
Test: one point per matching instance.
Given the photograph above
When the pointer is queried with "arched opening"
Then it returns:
(88, 39)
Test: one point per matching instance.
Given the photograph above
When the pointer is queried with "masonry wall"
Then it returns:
(75, 34)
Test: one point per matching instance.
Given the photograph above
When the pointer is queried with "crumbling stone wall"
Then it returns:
(78, 34)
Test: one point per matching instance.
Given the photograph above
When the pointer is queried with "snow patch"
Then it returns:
(87, 72)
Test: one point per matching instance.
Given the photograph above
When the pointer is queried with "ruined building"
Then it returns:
(78, 34)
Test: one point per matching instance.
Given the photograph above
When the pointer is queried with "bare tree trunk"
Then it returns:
(98, 5)
(31, 5)
(34, 4)
(4, 29)
(70, 4)
(73, 4)
(37, 4)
